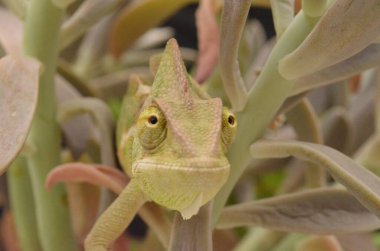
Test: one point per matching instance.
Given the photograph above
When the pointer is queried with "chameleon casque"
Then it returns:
(173, 147)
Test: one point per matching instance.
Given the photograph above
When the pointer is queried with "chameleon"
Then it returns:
(173, 148)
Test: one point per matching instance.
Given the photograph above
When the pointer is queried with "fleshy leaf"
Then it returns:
(355, 242)
(87, 15)
(233, 20)
(136, 18)
(318, 211)
(18, 99)
(363, 184)
(283, 13)
(8, 235)
(77, 131)
(98, 175)
(346, 28)
(338, 129)
(63, 3)
(365, 59)
(10, 32)
(208, 39)
(101, 116)
(318, 243)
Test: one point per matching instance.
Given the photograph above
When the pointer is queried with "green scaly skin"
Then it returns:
(172, 142)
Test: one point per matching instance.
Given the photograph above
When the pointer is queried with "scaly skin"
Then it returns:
(174, 152)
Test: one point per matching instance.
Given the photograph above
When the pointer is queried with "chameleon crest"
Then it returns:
(174, 152)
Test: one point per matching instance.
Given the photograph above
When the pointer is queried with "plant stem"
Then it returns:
(194, 234)
(42, 28)
(22, 205)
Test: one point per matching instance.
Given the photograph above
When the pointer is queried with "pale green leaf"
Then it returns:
(363, 184)
(338, 129)
(232, 24)
(18, 99)
(63, 4)
(365, 59)
(318, 211)
(101, 116)
(346, 28)
(314, 8)
(283, 14)
(89, 13)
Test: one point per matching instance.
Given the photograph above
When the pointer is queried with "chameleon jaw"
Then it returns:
(181, 188)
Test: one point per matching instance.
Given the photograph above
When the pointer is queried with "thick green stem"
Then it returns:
(22, 205)
(42, 28)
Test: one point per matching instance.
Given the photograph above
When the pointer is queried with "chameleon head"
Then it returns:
(180, 142)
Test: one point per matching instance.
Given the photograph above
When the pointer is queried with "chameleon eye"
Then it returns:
(151, 127)
(229, 125)
(152, 119)
(231, 120)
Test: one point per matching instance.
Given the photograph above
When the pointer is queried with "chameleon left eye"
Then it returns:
(151, 127)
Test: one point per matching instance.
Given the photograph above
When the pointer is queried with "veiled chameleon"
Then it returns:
(173, 148)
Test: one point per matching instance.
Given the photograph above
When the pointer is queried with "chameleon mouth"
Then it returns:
(181, 186)
(193, 164)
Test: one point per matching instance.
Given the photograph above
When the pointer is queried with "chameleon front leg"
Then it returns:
(115, 219)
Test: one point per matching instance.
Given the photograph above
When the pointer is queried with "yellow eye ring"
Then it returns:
(229, 125)
(151, 127)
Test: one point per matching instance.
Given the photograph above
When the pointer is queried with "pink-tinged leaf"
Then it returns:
(99, 175)
(355, 242)
(121, 243)
(8, 233)
(319, 243)
(10, 32)
(83, 205)
(18, 99)
(208, 39)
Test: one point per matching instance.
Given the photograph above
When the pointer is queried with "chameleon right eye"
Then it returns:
(229, 125)
(151, 127)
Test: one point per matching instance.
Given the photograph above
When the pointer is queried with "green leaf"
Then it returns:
(363, 184)
(18, 99)
(283, 14)
(365, 59)
(101, 116)
(318, 211)
(232, 24)
(346, 28)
